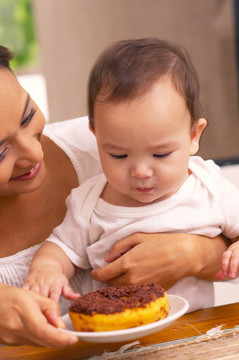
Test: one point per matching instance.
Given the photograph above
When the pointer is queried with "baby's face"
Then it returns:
(145, 144)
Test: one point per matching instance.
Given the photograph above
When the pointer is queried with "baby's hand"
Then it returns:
(50, 283)
(230, 263)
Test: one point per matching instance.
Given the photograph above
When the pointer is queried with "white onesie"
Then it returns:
(206, 204)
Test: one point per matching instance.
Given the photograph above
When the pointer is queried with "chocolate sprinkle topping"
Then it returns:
(116, 299)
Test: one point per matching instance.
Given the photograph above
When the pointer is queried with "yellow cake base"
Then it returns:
(130, 318)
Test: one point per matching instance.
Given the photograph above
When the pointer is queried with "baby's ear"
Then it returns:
(91, 128)
(196, 133)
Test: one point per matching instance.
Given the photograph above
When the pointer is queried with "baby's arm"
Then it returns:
(49, 273)
(230, 261)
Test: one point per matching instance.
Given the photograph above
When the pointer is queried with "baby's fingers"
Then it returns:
(54, 293)
(68, 293)
(220, 276)
(234, 264)
(226, 258)
(33, 286)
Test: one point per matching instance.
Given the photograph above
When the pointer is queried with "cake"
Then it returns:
(116, 308)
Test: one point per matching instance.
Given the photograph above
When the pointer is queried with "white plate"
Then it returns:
(178, 307)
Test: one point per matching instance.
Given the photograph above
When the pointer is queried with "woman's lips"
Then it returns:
(28, 175)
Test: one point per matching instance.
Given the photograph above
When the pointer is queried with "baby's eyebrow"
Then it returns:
(112, 146)
(163, 145)
(26, 105)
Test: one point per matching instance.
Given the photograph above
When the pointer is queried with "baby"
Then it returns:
(144, 109)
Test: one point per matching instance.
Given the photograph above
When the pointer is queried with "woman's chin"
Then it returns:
(21, 185)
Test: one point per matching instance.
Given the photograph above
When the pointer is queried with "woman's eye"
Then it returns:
(161, 155)
(119, 156)
(28, 118)
(3, 154)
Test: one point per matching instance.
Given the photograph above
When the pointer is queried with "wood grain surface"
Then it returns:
(189, 325)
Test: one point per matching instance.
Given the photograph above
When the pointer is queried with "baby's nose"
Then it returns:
(141, 171)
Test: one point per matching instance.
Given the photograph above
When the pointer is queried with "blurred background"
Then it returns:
(56, 42)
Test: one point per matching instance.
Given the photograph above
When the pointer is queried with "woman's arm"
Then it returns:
(26, 318)
(162, 258)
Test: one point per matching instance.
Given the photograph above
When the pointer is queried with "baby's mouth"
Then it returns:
(144, 189)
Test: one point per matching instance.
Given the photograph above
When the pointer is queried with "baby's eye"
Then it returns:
(161, 155)
(3, 154)
(119, 156)
(29, 117)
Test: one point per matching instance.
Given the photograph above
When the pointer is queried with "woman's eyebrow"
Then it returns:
(2, 142)
(26, 105)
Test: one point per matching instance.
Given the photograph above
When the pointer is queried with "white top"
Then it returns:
(206, 204)
(75, 139)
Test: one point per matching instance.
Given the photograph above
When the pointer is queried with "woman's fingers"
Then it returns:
(28, 318)
(123, 246)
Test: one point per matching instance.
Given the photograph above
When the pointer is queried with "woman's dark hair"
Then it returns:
(129, 68)
(5, 56)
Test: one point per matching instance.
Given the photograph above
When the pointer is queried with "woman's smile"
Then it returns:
(29, 174)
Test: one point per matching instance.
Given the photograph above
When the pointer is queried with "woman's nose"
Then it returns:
(28, 150)
(141, 171)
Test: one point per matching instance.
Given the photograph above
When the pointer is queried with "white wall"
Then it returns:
(72, 33)
(227, 293)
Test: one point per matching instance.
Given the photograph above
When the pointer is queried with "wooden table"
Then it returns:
(189, 325)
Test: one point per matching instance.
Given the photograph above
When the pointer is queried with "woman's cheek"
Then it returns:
(6, 170)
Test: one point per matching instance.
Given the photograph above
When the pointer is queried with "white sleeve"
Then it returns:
(72, 234)
(229, 203)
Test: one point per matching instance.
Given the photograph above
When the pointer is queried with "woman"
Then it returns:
(23, 319)
(37, 172)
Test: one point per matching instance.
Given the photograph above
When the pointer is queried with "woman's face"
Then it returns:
(22, 168)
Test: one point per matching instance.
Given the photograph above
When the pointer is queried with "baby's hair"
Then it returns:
(5, 56)
(130, 68)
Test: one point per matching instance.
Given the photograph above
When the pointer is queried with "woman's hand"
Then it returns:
(161, 258)
(30, 319)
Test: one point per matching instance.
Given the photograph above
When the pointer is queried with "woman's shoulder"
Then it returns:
(70, 131)
(76, 140)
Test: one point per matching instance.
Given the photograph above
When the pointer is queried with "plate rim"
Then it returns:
(123, 332)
